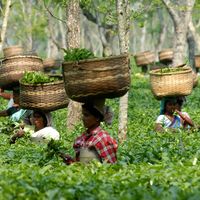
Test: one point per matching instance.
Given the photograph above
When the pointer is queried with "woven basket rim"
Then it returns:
(144, 52)
(21, 56)
(197, 56)
(41, 84)
(13, 46)
(96, 59)
(185, 70)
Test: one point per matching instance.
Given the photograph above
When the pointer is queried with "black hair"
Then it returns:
(42, 114)
(180, 101)
(93, 111)
(167, 101)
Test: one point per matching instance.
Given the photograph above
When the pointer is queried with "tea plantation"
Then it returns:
(150, 165)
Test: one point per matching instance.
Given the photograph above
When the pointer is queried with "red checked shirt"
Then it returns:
(104, 144)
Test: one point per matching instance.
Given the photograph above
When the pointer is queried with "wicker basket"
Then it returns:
(107, 78)
(46, 97)
(13, 68)
(144, 58)
(197, 61)
(166, 55)
(13, 51)
(178, 83)
(51, 64)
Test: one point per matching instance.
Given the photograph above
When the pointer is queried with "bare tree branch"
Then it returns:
(51, 14)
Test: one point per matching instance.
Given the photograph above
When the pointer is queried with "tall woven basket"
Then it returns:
(13, 68)
(105, 78)
(166, 55)
(46, 97)
(178, 83)
(13, 51)
(197, 61)
(144, 58)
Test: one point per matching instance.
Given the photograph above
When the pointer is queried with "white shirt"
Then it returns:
(164, 121)
(46, 133)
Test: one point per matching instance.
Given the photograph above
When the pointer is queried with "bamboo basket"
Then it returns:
(144, 58)
(197, 61)
(12, 51)
(166, 55)
(13, 68)
(105, 78)
(178, 83)
(51, 64)
(46, 97)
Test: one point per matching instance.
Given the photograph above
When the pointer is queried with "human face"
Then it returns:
(170, 107)
(38, 121)
(89, 121)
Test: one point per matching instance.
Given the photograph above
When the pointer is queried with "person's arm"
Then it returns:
(20, 133)
(186, 119)
(159, 128)
(3, 113)
(5, 95)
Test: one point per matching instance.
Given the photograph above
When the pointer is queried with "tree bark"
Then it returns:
(191, 47)
(73, 41)
(26, 9)
(181, 16)
(62, 28)
(196, 36)
(123, 15)
(163, 30)
(143, 37)
(5, 23)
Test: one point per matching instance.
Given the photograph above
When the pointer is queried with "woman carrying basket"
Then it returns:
(171, 117)
(94, 143)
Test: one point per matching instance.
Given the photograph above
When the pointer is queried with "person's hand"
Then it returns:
(67, 159)
(20, 133)
(15, 105)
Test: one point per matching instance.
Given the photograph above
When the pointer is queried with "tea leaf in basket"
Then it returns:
(77, 54)
(170, 70)
(37, 78)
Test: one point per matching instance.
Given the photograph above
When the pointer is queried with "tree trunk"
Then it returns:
(192, 29)
(163, 31)
(191, 47)
(181, 18)
(52, 43)
(4, 24)
(123, 15)
(26, 10)
(62, 28)
(143, 38)
(73, 41)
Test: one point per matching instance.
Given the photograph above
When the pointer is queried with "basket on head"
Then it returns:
(197, 61)
(105, 78)
(13, 51)
(166, 55)
(176, 83)
(51, 64)
(13, 68)
(144, 58)
(46, 96)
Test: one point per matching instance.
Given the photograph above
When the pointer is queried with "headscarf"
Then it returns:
(163, 103)
(46, 116)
